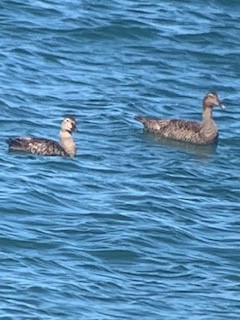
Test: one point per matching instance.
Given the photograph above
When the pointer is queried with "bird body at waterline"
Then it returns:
(66, 147)
(203, 133)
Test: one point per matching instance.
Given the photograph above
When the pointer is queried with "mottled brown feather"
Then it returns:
(38, 146)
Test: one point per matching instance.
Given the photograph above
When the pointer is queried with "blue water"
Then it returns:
(131, 228)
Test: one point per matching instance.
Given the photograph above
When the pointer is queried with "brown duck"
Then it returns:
(46, 147)
(203, 133)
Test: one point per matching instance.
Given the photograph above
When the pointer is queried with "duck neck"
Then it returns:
(209, 127)
(207, 114)
(67, 142)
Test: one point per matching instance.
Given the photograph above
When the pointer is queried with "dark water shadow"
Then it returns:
(201, 151)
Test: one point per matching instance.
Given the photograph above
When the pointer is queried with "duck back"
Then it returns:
(40, 146)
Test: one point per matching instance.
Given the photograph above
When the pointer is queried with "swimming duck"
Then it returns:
(46, 147)
(203, 133)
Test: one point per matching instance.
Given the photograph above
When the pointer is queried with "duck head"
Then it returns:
(69, 124)
(211, 100)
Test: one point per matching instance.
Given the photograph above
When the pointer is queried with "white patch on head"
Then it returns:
(211, 95)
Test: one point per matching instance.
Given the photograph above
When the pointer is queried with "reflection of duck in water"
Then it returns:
(46, 147)
(187, 131)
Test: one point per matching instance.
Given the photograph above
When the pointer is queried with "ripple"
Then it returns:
(131, 223)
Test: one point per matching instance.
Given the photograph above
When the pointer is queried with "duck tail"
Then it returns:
(138, 118)
(14, 143)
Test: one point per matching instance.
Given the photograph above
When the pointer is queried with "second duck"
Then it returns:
(203, 133)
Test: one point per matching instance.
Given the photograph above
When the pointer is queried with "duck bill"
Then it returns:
(222, 106)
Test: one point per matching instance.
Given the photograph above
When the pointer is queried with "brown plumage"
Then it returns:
(46, 147)
(203, 133)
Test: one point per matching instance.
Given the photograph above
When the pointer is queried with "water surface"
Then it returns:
(132, 227)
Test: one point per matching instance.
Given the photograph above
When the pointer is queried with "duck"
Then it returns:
(66, 147)
(204, 133)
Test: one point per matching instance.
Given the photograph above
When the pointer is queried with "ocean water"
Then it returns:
(131, 228)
